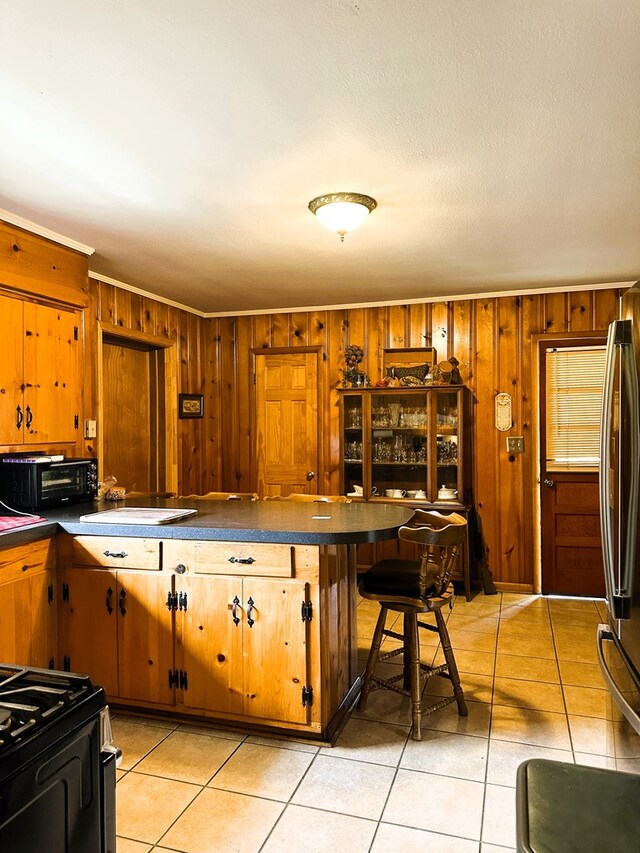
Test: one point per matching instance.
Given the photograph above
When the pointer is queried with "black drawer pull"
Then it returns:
(246, 561)
(119, 554)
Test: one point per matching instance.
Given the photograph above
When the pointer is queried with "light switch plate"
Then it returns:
(90, 429)
(515, 444)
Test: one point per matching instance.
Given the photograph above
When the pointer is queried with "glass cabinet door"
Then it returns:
(352, 445)
(447, 417)
(399, 444)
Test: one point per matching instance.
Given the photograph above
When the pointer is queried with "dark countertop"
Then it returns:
(236, 521)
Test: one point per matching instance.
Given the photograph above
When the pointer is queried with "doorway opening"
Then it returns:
(137, 407)
(571, 371)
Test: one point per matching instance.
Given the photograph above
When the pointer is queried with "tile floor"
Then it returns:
(529, 669)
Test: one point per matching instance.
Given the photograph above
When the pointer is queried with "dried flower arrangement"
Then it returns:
(353, 355)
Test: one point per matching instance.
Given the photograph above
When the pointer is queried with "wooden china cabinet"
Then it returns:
(407, 445)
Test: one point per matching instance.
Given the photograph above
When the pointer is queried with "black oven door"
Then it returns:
(63, 483)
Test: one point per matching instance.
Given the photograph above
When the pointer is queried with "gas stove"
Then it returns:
(57, 763)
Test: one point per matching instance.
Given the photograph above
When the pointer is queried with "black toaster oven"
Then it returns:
(37, 484)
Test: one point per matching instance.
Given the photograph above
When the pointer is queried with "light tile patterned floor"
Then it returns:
(529, 669)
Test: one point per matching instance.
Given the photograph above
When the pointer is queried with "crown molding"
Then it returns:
(41, 231)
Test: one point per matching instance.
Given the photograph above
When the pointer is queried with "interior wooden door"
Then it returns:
(88, 619)
(275, 649)
(571, 544)
(286, 447)
(145, 637)
(51, 374)
(128, 427)
(209, 643)
(11, 372)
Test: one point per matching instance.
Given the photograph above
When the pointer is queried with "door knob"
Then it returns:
(310, 475)
(548, 483)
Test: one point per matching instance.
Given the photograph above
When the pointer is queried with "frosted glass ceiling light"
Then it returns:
(342, 212)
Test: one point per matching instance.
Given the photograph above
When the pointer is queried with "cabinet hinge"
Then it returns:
(307, 611)
(173, 678)
(307, 696)
(65, 592)
(76, 421)
(52, 663)
(66, 663)
(172, 600)
(182, 601)
(183, 680)
(50, 593)
(75, 333)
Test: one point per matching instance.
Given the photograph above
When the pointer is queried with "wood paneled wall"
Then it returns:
(492, 339)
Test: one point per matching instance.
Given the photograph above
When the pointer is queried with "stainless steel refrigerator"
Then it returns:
(619, 639)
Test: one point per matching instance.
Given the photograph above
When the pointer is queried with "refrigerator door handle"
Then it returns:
(604, 633)
(606, 510)
(632, 466)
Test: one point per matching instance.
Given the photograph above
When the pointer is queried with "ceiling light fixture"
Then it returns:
(342, 212)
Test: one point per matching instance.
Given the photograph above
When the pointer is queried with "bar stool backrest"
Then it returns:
(224, 496)
(440, 539)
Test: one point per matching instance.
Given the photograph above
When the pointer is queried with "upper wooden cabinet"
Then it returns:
(409, 444)
(39, 374)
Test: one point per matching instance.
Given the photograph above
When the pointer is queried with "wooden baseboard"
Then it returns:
(524, 588)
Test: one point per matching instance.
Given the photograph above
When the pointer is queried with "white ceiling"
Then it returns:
(183, 140)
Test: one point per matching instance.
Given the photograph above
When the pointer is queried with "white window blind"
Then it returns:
(574, 378)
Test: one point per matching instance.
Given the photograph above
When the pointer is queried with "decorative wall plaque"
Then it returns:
(504, 421)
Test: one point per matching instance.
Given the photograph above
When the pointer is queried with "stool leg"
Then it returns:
(407, 657)
(372, 659)
(451, 663)
(416, 697)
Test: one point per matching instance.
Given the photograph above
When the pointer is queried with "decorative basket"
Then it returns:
(412, 374)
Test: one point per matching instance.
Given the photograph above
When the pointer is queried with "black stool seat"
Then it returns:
(568, 808)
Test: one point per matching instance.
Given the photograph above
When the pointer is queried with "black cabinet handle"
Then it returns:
(19, 417)
(108, 601)
(250, 608)
(181, 569)
(119, 554)
(246, 561)
(234, 611)
(29, 416)
(123, 595)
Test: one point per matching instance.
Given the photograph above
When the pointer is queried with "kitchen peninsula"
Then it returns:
(243, 613)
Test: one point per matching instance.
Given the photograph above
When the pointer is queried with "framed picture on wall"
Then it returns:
(190, 405)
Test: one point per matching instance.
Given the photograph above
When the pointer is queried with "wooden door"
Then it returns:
(11, 372)
(286, 448)
(145, 636)
(571, 545)
(51, 370)
(209, 643)
(128, 436)
(571, 542)
(88, 616)
(275, 650)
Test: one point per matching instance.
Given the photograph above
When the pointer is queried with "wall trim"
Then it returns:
(495, 294)
(41, 231)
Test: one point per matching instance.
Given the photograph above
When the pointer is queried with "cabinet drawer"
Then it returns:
(116, 552)
(230, 558)
(26, 560)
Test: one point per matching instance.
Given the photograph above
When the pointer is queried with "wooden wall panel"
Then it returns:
(491, 337)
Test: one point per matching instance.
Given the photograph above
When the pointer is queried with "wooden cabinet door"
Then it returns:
(89, 625)
(209, 643)
(27, 635)
(145, 637)
(51, 369)
(275, 649)
(11, 372)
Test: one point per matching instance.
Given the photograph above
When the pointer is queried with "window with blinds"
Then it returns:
(574, 378)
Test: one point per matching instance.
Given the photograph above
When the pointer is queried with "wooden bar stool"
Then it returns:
(415, 587)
